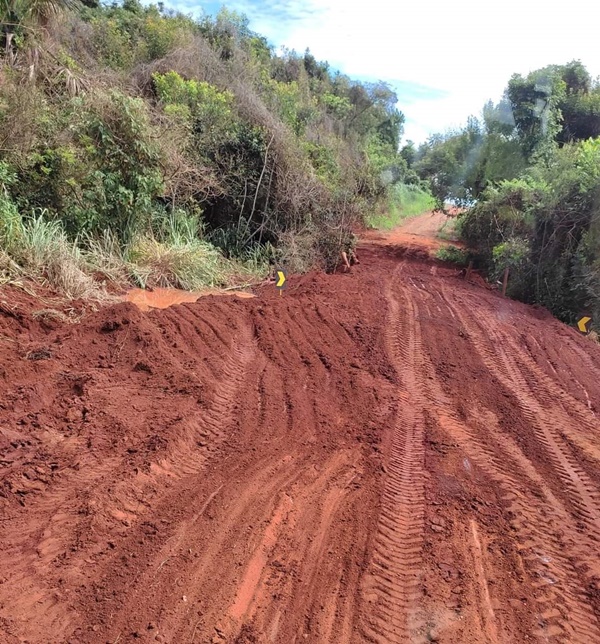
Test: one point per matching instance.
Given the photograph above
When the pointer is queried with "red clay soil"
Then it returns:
(415, 234)
(389, 455)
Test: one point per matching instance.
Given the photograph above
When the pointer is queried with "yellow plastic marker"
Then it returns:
(280, 281)
(582, 325)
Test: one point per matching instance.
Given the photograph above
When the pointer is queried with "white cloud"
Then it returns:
(466, 48)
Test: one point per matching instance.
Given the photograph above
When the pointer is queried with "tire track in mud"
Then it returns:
(486, 612)
(555, 560)
(265, 600)
(209, 429)
(437, 623)
(547, 553)
(551, 357)
(129, 500)
(283, 526)
(546, 417)
(198, 442)
(555, 579)
(301, 578)
(550, 394)
(391, 588)
(263, 498)
(572, 412)
(22, 586)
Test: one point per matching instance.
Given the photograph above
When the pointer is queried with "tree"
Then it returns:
(228, 30)
(580, 107)
(452, 164)
(26, 16)
(374, 107)
(534, 102)
(499, 119)
(313, 68)
(558, 103)
(409, 153)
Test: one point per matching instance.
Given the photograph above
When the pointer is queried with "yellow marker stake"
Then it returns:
(583, 323)
(280, 281)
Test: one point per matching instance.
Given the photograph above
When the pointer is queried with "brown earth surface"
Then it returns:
(389, 455)
(417, 234)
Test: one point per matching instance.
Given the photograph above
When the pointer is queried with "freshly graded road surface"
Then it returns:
(390, 455)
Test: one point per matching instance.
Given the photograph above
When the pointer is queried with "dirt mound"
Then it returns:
(389, 455)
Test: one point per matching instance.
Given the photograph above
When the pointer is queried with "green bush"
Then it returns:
(183, 151)
(513, 254)
(10, 220)
(542, 227)
(323, 159)
(454, 255)
(112, 43)
(338, 106)
(210, 109)
(122, 159)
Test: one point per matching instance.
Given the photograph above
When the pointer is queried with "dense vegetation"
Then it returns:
(141, 144)
(528, 172)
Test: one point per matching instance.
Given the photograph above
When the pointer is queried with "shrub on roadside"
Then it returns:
(454, 255)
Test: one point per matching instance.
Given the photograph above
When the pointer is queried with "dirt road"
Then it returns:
(418, 235)
(393, 455)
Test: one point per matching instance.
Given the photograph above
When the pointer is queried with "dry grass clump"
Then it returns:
(51, 315)
(189, 265)
(9, 269)
(45, 252)
(298, 251)
(39, 248)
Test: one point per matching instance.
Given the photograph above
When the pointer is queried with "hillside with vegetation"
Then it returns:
(139, 145)
(528, 172)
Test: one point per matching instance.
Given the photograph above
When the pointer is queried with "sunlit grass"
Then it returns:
(39, 249)
(405, 202)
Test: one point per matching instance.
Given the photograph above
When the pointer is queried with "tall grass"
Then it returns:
(189, 265)
(177, 256)
(105, 257)
(405, 201)
(42, 250)
(39, 248)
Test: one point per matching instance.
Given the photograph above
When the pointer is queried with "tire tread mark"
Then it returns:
(394, 579)
(556, 571)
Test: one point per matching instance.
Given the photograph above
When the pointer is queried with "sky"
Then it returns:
(443, 58)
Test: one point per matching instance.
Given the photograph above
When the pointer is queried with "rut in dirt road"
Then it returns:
(556, 560)
(392, 594)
